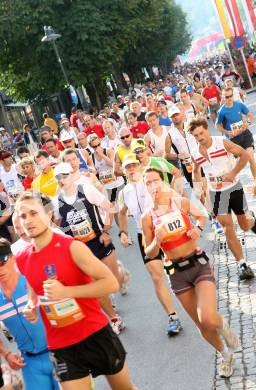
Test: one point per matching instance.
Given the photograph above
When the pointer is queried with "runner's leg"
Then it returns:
(77, 384)
(155, 269)
(121, 380)
(232, 240)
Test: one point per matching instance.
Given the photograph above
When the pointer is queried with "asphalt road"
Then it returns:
(157, 362)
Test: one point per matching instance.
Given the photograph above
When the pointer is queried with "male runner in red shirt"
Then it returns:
(66, 278)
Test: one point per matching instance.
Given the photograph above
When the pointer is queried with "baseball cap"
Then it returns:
(66, 136)
(130, 159)
(62, 168)
(138, 144)
(5, 155)
(64, 120)
(189, 88)
(173, 110)
(5, 251)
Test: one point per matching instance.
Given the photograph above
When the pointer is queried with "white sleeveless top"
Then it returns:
(104, 171)
(184, 144)
(219, 163)
(158, 143)
(137, 200)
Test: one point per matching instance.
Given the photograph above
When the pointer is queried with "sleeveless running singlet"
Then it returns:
(122, 151)
(82, 219)
(55, 259)
(176, 223)
(157, 143)
(83, 164)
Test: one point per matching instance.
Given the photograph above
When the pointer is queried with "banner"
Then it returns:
(235, 17)
(251, 12)
(223, 19)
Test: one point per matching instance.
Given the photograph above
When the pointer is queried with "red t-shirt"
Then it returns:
(210, 93)
(98, 129)
(58, 143)
(26, 182)
(34, 265)
(140, 130)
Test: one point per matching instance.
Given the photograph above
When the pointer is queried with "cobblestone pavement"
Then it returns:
(237, 301)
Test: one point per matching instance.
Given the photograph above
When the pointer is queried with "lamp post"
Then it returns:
(51, 36)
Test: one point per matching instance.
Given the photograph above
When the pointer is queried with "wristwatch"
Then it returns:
(200, 227)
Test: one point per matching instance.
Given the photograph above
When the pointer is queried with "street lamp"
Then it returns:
(51, 36)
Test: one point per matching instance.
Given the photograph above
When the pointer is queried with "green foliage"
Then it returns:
(98, 36)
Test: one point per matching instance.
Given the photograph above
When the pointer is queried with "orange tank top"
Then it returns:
(176, 223)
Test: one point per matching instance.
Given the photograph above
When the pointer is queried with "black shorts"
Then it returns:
(1, 378)
(232, 199)
(143, 254)
(102, 353)
(245, 139)
(98, 249)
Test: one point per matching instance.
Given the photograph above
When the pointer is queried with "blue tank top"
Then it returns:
(29, 337)
(83, 164)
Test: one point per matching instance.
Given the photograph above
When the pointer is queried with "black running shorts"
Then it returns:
(245, 139)
(232, 199)
(98, 249)
(102, 353)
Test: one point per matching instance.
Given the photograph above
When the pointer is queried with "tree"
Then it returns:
(98, 37)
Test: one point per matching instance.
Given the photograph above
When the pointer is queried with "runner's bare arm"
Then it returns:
(151, 242)
(168, 146)
(104, 282)
(221, 129)
(88, 160)
(189, 208)
(197, 180)
(250, 117)
(29, 310)
(118, 171)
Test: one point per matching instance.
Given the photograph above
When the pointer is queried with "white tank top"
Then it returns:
(184, 144)
(219, 163)
(158, 143)
(137, 200)
(106, 174)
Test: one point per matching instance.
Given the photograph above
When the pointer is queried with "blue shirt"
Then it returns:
(29, 337)
(228, 115)
(164, 121)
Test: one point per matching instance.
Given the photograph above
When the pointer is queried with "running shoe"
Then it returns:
(245, 272)
(226, 367)
(117, 324)
(216, 226)
(174, 326)
(230, 337)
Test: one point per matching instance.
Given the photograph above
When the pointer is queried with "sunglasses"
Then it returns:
(228, 96)
(95, 146)
(67, 141)
(125, 136)
(141, 150)
(4, 259)
(61, 176)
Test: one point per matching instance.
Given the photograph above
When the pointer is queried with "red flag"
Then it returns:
(251, 12)
(235, 17)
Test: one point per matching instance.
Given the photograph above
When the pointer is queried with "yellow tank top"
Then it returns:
(122, 151)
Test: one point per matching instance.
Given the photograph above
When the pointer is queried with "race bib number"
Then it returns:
(213, 101)
(188, 164)
(83, 231)
(237, 126)
(216, 182)
(106, 176)
(174, 225)
(61, 313)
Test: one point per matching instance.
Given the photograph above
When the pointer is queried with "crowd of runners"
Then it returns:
(64, 187)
